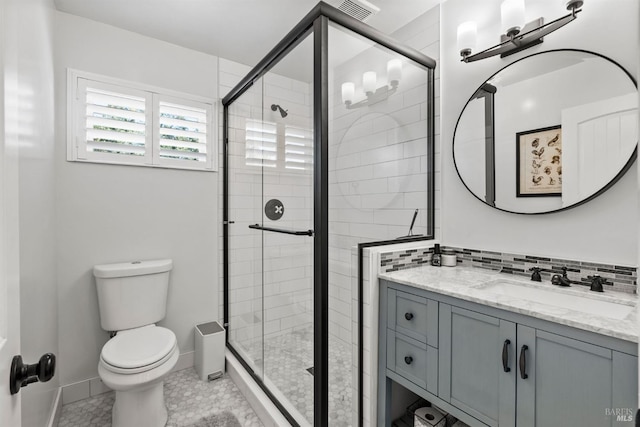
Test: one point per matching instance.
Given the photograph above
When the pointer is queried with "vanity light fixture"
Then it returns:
(373, 93)
(517, 35)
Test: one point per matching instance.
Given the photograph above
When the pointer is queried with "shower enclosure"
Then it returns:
(316, 163)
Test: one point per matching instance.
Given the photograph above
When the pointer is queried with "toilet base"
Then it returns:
(140, 407)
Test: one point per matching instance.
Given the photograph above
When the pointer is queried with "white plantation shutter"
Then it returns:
(298, 148)
(261, 143)
(183, 132)
(112, 121)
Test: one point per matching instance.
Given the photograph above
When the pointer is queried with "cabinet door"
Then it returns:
(473, 376)
(625, 389)
(562, 381)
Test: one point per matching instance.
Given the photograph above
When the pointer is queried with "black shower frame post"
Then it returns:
(431, 151)
(321, 221)
(225, 218)
(317, 22)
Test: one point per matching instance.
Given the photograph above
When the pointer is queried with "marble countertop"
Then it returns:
(474, 284)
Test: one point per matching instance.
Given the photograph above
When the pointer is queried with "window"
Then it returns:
(112, 121)
(261, 143)
(268, 144)
(298, 148)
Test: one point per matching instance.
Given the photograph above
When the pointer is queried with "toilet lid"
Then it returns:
(139, 347)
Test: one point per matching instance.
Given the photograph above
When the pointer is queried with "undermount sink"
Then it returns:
(553, 298)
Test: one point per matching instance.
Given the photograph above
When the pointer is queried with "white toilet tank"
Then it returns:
(132, 294)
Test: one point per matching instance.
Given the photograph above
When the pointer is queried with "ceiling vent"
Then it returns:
(359, 9)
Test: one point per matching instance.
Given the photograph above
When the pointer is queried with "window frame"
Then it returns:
(77, 82)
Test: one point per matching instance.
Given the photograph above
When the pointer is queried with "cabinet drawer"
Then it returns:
(413, 316)
(413, 360)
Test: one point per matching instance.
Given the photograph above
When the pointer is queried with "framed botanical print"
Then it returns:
(539, 162)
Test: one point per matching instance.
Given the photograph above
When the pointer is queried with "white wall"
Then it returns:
(108, 213)
(603, 230)
(38, 292)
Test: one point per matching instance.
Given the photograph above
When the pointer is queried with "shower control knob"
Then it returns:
(274, 209)
(22, 375)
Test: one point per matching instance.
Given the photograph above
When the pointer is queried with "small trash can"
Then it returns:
(209, 350)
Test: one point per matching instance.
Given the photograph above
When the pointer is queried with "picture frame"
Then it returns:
(539, 162)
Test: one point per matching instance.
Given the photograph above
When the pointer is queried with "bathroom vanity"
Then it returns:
(497, 350)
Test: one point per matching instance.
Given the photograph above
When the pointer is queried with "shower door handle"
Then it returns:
(282, 230)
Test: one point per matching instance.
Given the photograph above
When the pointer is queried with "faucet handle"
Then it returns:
(596, 283)
(535, 276)
(602, 280)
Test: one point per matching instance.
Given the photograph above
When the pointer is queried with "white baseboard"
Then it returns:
(257, 399)
(94, 386)
(56, 409)
(186, 360)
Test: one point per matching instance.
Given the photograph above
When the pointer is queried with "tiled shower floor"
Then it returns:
(287, 359)
(188, 401)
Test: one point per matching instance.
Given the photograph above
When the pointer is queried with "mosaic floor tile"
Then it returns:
(188, 401)
(286, 364)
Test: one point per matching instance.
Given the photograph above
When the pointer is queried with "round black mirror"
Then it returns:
(548, 132)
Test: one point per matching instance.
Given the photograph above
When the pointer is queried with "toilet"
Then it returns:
(132, 297)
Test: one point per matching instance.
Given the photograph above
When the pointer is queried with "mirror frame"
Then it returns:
(611, 183)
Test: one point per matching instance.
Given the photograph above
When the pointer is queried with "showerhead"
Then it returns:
(283, 113)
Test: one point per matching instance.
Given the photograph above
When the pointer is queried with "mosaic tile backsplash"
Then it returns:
(619, 278)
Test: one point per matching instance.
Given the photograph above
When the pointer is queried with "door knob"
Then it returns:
(22, 375)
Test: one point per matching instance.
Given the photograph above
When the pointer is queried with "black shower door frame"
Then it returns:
(316, 23)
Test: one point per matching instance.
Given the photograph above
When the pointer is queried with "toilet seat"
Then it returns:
(138, 350)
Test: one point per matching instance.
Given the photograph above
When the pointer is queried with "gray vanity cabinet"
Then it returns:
(477, 365)
(490, 367)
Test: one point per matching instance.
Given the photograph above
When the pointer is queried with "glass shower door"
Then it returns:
(270, 162)
(247, 158)
(288, 258)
